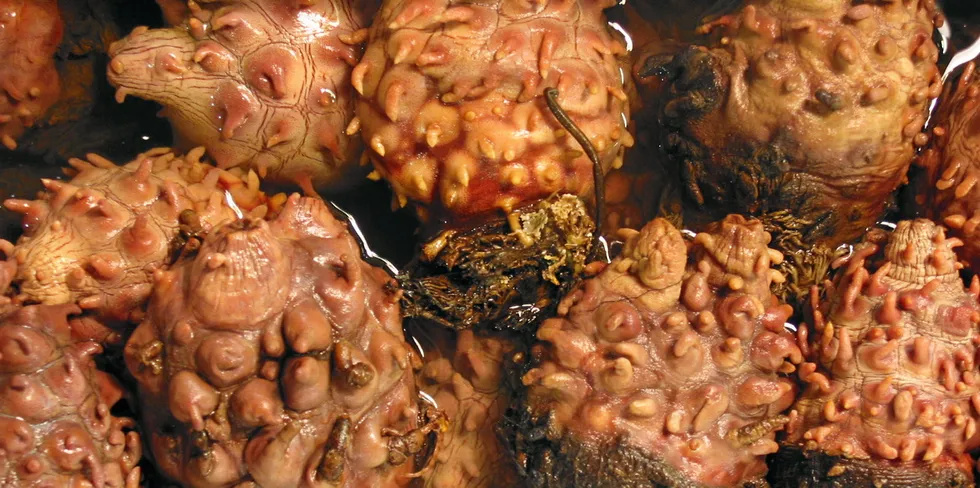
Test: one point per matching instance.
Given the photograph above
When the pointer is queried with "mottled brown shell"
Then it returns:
(30, 32)
(452, 102)
(262, 85)
(275, 356)
(801, 113)
(663, 370)
(56, 429)
(96, 238)
(947, 189)
(468, 385)
(891, 376)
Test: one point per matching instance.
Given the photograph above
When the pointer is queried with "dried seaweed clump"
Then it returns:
(946, 191)
(262, 84)
(30, 32)
(275, 356)
(452, 105)
(504, 274)
(96, 239)
(802, 114)
(56, 428)
(891, 395)
(468, 384)
(663, 370)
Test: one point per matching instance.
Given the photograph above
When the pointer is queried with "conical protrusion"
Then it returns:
(305, 383)
(191, 399)
(257, 403)
(306, 329)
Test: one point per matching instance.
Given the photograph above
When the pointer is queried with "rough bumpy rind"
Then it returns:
(802, 114)
(261, 84)
(452, 105)
(30, 32)
(664, 368)
(465, 378)
(96, 239)
(947, 189)
(56, 428)
(275, 356)
(891, 378)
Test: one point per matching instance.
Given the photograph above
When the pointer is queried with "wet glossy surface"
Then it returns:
(391, 235)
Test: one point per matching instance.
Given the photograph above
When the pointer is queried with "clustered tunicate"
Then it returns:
(803, 114)
(275, 355)
(262, 85)
(452, 104)
(890, 374)
(56, 424)
(96, 239)
(706, 278)
(666, 366)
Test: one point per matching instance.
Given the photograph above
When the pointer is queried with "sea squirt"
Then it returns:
(667, 368)
(274, 354)
(803, 114)
(891, 395)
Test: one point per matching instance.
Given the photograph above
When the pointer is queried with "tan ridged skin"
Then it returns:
(56, 429)
(275, 357)
(468, 385)
(802, 113)
(672, 352)
(452, 104)
(30, 31)
(891, 375)
(96, 238)
(947, 191)
(262, 85)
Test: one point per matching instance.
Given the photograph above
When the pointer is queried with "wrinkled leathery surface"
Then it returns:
(263, 83)
(891, 376)
(56, 428)
(276, 356)
(664, 369)
(96, 238)
(947, 191)
(466, 380)
(30, 31)
(810, 108)
(452, 104)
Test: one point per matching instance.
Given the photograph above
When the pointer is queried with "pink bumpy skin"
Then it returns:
(55, 425)
(672, 352)
(30, 32)
(261, 84)
(948, 191)
(276, 356)
(891, 372)
(452, 102)
(96, 239)
(468, 386)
